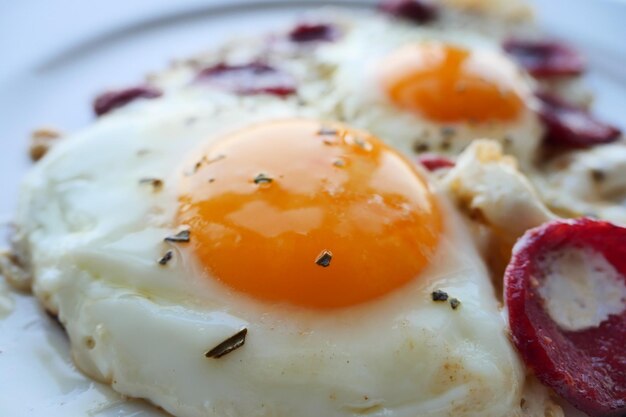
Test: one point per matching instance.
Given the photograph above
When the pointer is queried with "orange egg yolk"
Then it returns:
(314, 215)
(445, 83)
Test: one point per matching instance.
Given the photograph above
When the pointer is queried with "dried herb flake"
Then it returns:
(420, 147)
(182, 236)
(234, 342)
(324, 258)
(262, 179)
(156, 183)
(166, 258)
(439, 295)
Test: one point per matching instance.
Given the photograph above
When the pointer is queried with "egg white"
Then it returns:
(586, 182)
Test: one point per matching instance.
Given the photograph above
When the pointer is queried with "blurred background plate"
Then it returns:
(56, 55)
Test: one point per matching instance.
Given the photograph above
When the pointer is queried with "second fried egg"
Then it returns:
(433, 88)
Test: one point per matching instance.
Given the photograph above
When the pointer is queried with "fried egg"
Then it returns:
(433, 88)
(168, 227)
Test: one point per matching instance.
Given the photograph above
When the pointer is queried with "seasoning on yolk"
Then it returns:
(374, 213)
(445, 83)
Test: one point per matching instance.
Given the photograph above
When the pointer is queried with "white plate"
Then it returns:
(56, 58)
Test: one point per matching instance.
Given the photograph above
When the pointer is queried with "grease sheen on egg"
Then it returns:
(277, 195)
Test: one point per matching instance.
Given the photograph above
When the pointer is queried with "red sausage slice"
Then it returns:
(572, 126)
(313, 32)
(248, 79)
(417, 11)
(586, 366)
(111, 100)
(434, 162)
(545, 58)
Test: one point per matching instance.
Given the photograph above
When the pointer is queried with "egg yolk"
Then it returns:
(315, 215)
(445, 83)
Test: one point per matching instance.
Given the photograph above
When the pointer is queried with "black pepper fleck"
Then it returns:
(324, 258)
(206, 161)
(234, 342)
(419, 147)
(454, 303)
(439, 295)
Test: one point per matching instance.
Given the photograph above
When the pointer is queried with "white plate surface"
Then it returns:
(56, 55)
